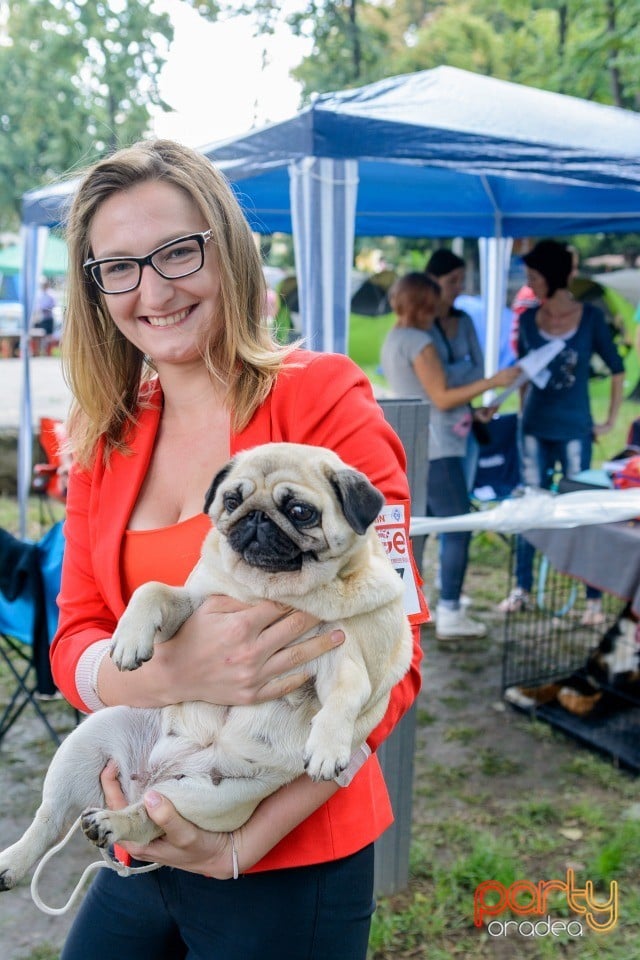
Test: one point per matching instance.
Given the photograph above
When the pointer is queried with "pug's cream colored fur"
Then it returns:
(314, 548)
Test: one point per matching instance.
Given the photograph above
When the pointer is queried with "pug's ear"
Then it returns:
(359, 499)
(215, 483)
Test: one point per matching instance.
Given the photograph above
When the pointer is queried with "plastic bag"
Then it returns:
(538, 509)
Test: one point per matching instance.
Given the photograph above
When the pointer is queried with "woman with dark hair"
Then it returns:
(557, 429)
(456, 344)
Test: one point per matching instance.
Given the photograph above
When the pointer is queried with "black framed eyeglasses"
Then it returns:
(172, 260)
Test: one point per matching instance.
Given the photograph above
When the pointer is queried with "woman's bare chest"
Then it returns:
(182, 467)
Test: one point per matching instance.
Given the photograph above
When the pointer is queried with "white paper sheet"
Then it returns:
(534, 367)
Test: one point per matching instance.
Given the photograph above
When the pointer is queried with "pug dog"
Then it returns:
(293, 524)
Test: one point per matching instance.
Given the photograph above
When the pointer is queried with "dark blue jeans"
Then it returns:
(540, 461)
(321, 912)
(447, 496)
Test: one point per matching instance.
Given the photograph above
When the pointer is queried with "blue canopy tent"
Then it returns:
(439, 153)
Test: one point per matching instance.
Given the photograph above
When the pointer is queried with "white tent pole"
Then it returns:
(327, 268)
(33, 243)
(323, 203)
(495, 254)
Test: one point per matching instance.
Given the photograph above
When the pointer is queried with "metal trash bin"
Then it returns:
(409, 417)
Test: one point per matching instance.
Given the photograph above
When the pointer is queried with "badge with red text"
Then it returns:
(392, 528)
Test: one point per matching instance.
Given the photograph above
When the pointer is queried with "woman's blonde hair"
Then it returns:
(104, 370)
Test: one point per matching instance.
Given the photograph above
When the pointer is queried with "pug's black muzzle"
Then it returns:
(261, 543)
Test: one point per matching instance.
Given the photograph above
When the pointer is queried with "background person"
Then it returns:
(526, 299)
(173, 370)
(557, 428)
(45, 306)
(416, 363)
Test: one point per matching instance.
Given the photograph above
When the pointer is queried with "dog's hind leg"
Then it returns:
(222, 805)
(104, 827)
(71, 784)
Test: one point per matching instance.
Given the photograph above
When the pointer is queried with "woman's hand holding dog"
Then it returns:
(187, 847)
(225, 653)
(237, 654)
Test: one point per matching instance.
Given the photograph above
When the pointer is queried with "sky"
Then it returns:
(215, 80)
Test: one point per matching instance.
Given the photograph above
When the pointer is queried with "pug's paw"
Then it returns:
(8, 878)
(96, 826)
(132, 643)
(129, 824)
(325, 757)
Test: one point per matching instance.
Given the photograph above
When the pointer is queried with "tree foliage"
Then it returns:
(78, 78)
(589, 50)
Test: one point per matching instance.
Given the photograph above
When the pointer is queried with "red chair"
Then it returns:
(49, 481)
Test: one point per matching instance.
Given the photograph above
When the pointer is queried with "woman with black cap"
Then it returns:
(557, 429)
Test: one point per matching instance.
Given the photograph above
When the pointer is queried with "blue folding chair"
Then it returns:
(29, 584)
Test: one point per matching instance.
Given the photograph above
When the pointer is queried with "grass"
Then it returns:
(39, 516)
(43, 952)
(500, 797)
(468, 829)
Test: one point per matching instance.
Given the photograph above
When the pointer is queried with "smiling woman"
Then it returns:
(174, 371)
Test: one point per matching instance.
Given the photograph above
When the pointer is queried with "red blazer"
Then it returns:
(318, 399)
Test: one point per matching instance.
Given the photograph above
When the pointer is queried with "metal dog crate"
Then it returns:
(547, 645)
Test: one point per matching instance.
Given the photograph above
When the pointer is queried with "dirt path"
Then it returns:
(24, 756)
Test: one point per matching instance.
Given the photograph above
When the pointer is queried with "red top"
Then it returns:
(319, 399)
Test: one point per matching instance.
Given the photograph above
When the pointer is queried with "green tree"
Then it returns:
(351, 44)
(78, 78)
(589, 50)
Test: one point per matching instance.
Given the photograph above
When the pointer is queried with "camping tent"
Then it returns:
(439, 153)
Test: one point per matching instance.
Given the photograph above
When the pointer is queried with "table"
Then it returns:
(605, 555)
(10, 341)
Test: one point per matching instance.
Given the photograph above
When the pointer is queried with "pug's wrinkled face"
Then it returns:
(282, 505)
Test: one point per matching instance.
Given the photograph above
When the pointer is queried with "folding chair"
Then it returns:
(29, 585)
(49, 479)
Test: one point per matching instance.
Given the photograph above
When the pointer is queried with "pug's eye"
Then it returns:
(302, 514)
(231, 502)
